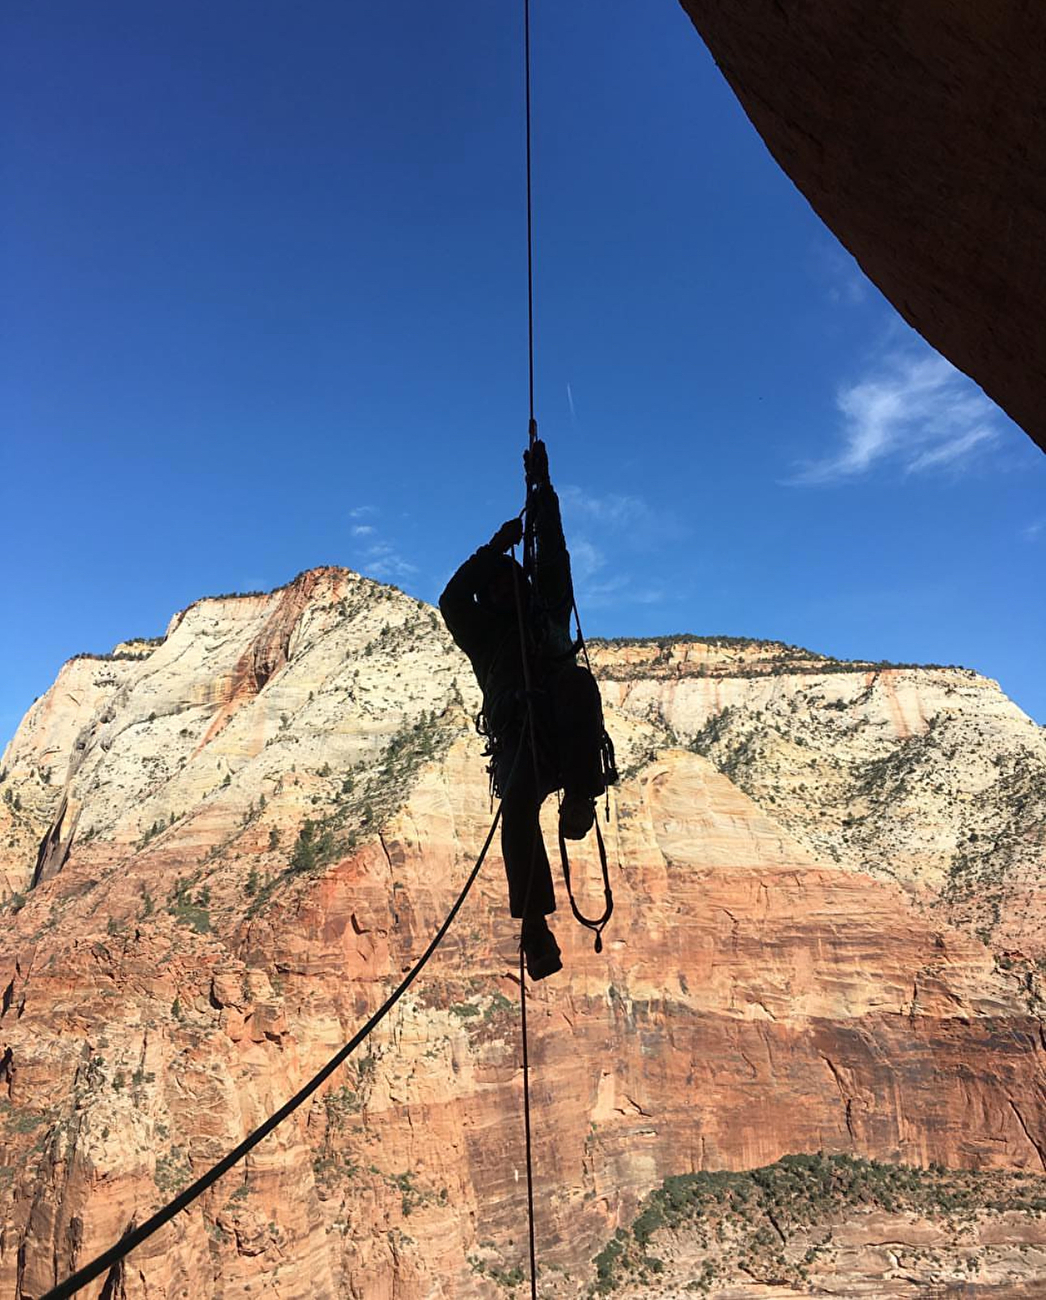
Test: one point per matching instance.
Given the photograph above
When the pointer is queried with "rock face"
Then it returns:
(917, 134)
(834, 1226)
(927, 776)
(222, 852)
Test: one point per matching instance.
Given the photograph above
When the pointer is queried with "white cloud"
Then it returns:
(392, 569)
(847, 283)
(948, 452)
(621, 589)
(585, 559)
(609, 592)
(385, 563)
(613, 510)
(912, 410)
(606, 534)
(1034, 530)
(375, 556)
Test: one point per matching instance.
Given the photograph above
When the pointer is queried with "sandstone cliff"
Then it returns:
(222, 850)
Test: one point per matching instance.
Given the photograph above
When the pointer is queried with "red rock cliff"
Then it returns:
(266, 816)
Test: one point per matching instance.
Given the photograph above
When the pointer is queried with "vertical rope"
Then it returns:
(526, 904)
(526, 1126)
(533, 428)
(532, 433)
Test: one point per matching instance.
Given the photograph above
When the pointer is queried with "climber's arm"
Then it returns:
(552, 578)
(466, 621)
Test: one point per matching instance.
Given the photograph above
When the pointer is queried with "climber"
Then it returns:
(479, 608)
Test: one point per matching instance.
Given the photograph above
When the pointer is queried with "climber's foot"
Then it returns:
(540, 950)
(576, 815)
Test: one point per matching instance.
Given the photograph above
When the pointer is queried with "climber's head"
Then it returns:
(499, 595)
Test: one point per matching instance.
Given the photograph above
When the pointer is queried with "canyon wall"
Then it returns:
(222, 851)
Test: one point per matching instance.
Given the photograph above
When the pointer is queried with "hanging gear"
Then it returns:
(491, 750)
(598, 926)
(535, 463)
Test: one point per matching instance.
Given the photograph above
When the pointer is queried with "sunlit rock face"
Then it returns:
(917, 134)
(222, 851)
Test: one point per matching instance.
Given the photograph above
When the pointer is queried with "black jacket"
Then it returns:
(490, 637)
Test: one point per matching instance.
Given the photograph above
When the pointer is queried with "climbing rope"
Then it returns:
(598, 925)
(530, 224)
(108, 1259)
(610, 777)
(526, 1120)
(532, 433)
(532, 729)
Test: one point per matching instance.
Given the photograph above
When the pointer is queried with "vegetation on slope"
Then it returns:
(777, 658)
(773, 1224)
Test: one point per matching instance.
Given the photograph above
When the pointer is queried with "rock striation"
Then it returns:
(917, 135)
(928, 776)
(222, 851)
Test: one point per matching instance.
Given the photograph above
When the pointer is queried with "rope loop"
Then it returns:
(599, 925)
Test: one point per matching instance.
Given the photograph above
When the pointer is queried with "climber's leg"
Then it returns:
(521, 843)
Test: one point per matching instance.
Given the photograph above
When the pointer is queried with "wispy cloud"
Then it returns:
(586, 559)
(621, 589)
(911, 410)
(387, 564)
(378, 557)
(616, 510)
(1034, 530)
(847, 284)
(607, 533)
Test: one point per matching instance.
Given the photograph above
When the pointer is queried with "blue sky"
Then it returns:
(265, 309)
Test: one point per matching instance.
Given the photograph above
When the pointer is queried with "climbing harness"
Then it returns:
(491, 751)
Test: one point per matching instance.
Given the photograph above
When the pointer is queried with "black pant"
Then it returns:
(568, 722)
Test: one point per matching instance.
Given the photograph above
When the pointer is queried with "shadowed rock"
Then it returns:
(918, 136)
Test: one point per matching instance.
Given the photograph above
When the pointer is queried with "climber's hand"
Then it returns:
(535, 462)
(509, 534)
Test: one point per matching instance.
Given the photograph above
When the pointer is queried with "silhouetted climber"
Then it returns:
(479, 609)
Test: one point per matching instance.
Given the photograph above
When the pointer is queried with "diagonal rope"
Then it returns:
(135, 1237)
